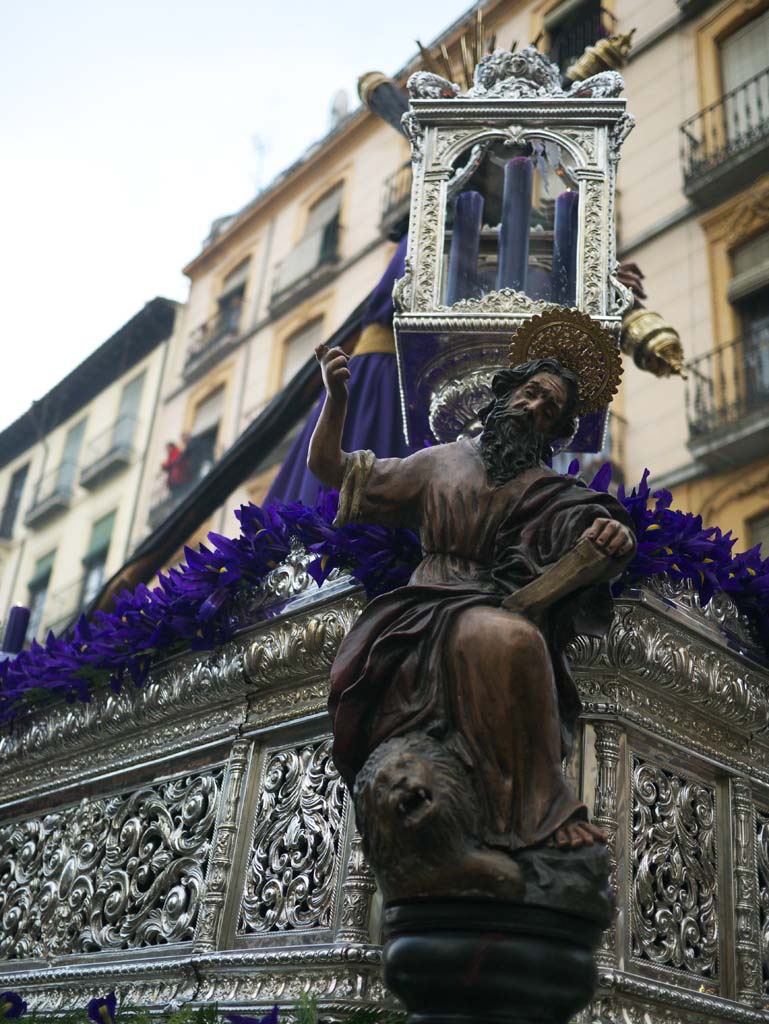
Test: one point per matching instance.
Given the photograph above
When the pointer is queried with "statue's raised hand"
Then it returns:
(336, 372)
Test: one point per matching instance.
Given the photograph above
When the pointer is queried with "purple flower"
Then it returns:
(11, 1005)
(239, 1018)
(101, 1010)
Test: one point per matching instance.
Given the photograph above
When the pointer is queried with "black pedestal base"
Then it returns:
(471, 961)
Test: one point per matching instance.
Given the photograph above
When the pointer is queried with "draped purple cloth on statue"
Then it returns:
(374, 420)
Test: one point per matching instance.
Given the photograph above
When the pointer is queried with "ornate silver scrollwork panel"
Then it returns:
(295, 853)
(762, 859)
(674, 892)
(117, 872)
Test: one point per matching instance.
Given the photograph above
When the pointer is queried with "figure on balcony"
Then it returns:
(451, 714)
(176, 466)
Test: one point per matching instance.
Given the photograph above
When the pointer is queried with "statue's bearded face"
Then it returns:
(519, 429)
(541, 399)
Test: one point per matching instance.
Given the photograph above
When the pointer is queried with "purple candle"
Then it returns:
(15, 629)
(565, 248)
(465, 244)
(514, 230)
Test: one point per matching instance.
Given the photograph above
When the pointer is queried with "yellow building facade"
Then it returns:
(71, 471)
(282, 274)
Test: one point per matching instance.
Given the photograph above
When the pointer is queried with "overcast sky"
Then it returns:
(127, 128)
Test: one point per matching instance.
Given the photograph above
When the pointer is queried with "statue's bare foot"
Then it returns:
(575, 834)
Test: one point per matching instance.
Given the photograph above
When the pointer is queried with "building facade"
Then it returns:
(693, 212)
(71, 470)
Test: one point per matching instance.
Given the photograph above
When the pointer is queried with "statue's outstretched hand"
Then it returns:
(631, 275)
(336, 372)
(611, 537)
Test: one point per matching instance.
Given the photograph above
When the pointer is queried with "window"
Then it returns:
(749, 294)
(758, 532)
(12, 501)
(200, 448)
(745, 52)
(231, 299)
(95, 558)
(743, 55)
(318, 246)
(572, 26)
(65, 475)
(38, 591)
(324, 212)
(299, 347)
(128, 413)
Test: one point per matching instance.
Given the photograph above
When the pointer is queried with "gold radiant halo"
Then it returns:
(578, 343)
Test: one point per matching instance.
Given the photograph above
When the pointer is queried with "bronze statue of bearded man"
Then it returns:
(440, 658)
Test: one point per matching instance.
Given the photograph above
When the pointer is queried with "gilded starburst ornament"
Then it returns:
(580, 344)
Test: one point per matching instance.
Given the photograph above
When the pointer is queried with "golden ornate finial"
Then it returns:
(578, 343)
(368, 82)
(653, 343)
(608, 54)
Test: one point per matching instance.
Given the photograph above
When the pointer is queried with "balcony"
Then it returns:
(727, 403)
(109, 452)
(311, 265)
(396, 202)
(53, 494)
(195, 462)
(211, 340)
(726, 146)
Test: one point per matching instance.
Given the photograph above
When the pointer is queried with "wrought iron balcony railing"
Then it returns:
(211, 336)
(727, 402)
(53, 494)
(725, 146)
(303, 267)
(396, 199)
(109, 452)
(168, 491)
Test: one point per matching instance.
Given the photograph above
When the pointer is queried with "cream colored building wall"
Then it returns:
(68, 533)
(650, 180)
(678, 285)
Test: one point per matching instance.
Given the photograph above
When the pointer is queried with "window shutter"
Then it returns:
(65, 477)
(42, 572)
(208, 412)
(745, 52)
(299, 347)
(324, 211)
(101, 534)
(128, 413)
(236, 279)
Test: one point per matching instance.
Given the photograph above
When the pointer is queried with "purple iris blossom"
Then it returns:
(12, 1005)
(101, 1010)
(239, 1018)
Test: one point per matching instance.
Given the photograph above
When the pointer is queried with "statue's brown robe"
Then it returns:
(436, 655)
